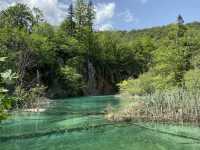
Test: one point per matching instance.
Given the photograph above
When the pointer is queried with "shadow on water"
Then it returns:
(78, 124)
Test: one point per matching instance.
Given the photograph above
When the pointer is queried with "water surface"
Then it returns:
(78, 124)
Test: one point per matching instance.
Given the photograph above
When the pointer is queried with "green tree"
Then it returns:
(18, 15)
(70, 19)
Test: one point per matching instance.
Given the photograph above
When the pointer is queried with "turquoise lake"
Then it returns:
(79, 124)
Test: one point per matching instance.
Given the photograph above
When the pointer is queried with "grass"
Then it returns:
(169, 106)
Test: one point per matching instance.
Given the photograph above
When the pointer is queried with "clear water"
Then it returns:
(78, 124)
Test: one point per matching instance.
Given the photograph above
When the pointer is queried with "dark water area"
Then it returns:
(79, 124)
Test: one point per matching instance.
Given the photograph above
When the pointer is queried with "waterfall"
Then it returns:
(91, 79)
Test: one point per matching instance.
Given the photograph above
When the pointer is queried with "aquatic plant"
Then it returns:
(179, 105)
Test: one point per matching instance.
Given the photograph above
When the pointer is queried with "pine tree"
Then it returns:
(90, 18)
(90, 15)
(80, 14)
(70, 19)
(182, 51)
(180, 20)
(84, 17)
(181, 27)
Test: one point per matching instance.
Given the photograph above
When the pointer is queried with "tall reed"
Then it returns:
(179, 105)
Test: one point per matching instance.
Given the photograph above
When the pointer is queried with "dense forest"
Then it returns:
(73, 59)
(169, 90)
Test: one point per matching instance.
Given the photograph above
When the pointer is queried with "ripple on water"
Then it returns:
(78, 124)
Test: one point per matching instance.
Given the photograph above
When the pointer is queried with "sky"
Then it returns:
(120, 14)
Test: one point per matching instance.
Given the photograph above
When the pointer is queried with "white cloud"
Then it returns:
(104, 12)
(5, 3)
(54, 10)
(127, 16)
(106, 27)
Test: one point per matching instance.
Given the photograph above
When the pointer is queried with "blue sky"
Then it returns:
(121, 14)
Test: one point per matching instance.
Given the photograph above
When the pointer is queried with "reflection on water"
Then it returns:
(78, 124)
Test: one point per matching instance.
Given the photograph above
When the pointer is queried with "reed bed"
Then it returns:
(180, 105)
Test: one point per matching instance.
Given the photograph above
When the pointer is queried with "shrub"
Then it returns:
(29, 98)
(142, 85)
(192, 79)
(147, 83)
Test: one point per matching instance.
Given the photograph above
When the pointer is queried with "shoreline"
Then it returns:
(36, 110)
(41, 106)
(162, 107)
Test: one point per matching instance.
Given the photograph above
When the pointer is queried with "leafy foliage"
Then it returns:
(29, 98)
(5, 100)
(73, 81)
(142, 61)
(173, 60)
